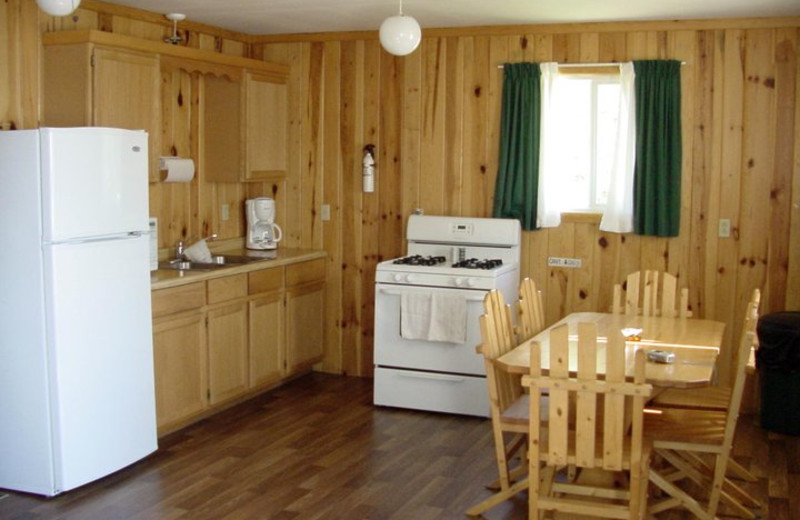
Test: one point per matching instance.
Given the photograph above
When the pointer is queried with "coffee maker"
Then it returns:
(262, 231)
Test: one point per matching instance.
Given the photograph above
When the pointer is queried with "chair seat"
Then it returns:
(517, 413)
(708, 398)
(689, 426)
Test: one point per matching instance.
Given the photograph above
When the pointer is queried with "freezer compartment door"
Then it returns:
(94, 182)
(101, 354)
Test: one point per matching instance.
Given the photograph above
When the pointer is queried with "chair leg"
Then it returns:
(736, 470)
(497, 498)
(679, 498)
(691, 466)
(733, 495)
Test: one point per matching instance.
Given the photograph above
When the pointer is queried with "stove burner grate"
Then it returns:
(420, 260)
(474, 263)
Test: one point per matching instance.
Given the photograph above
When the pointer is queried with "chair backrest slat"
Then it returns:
(586, 401)
(531, 310)
(651, 293)
(559, 397)
(747, 341)
(497, 338)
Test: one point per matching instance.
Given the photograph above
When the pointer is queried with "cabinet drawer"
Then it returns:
(304, 272)
(265, 280)
(176, 299)
(228, 288)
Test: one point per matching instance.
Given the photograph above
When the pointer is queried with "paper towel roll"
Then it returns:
(178, 169)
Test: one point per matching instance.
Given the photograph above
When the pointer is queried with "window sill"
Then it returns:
(581, 217)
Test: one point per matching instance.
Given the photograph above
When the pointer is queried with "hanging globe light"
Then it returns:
(58, 7)
(400, 34)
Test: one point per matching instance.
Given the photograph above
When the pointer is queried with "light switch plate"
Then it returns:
(226, 212)
(325, 212)
(724, 228)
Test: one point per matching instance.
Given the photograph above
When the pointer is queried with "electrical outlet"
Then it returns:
(226, 212)
(325, 212)
(573, 263)
(724, 228)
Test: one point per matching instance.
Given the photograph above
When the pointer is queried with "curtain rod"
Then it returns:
(608, 64)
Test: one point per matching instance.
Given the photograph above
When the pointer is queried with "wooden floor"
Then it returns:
(317, 448)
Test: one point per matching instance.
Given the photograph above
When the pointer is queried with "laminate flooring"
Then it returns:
(317, 448)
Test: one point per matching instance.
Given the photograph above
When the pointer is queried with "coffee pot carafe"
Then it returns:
(262, 231)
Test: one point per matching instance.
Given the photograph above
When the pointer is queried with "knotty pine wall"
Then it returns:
(434, 118)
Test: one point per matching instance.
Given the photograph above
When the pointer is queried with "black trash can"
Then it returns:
(778, 364)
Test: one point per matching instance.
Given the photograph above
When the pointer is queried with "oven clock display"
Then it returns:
(461, 230)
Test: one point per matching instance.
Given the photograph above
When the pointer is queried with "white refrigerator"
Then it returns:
(77, 396)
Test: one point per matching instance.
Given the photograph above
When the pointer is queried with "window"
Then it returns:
(588, 145)
(630, 161)
(584, 124)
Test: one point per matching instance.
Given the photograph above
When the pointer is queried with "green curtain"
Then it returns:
(657, 175)
(517, 185)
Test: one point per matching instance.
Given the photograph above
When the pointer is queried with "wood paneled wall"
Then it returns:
(434, 118)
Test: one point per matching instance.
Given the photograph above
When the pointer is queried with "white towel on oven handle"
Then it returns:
(433, 316)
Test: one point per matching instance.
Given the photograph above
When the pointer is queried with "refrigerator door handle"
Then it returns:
(108, 238)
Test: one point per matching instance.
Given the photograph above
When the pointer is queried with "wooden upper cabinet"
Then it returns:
(222, 128)
(266, 117)
(90, 85)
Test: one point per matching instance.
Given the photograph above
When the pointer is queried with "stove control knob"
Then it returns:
(459, 282)
(470, 282)
(410, 278)
(398, 278)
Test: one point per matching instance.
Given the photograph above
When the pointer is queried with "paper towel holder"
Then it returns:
(182, 174)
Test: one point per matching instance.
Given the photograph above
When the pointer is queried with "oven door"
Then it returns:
(392, 350)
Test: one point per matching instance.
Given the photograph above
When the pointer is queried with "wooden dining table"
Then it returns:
(695, 343)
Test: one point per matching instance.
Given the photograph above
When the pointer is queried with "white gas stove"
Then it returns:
(456, 260)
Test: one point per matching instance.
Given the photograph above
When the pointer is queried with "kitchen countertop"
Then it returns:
(165, 278)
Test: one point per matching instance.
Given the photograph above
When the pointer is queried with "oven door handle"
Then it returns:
(449, 378)
(392, 292)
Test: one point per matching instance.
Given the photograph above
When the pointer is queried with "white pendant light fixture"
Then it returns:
(400, 34)
(58, 7)
(175, 39)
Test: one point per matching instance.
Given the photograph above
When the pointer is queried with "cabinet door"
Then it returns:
(227, 351)
(222, 135)
(179, 350)
(305, 311)
(266, 125)
(126, 94)
(266, 339)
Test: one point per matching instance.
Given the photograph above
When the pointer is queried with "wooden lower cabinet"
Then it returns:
(305, 314)
(179, 354)
(227, 351)
(267, 345)
(220, 341)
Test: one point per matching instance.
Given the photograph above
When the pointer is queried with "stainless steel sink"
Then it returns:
(217, 261)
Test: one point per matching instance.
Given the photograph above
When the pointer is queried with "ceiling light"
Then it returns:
(58, 7)
(175, 39)
(400, 34)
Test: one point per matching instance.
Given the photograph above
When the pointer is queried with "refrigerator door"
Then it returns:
(101, 357)
(25, 441)
(94, 182)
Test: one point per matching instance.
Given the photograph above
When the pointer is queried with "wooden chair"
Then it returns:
(682, 437)
(508, 404)
(598, 437)
(531, 310)
(712, 397)
(644, 296)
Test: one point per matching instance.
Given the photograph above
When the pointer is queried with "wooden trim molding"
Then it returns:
(555, 28)
(162, 49)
